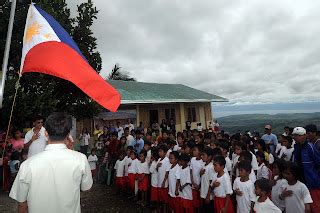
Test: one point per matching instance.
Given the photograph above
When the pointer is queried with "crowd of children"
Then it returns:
(212, 172)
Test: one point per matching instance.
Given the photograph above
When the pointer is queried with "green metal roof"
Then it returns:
(133, 92)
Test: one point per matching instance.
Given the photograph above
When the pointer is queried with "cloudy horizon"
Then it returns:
(257, 52)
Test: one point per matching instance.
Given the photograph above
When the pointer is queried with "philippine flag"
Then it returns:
(48, 49)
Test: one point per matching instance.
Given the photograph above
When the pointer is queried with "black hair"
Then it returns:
(149, 133)
(261, 155)
(175, 154)
(224, 145)
(184, 157)
(93, 150)
(123, 137)
(37, 117)
(208, 151)
(190, 144)
(163, 147)
(127, 128)
(246, 165)
(138, 132)
(311, 128)
(241, 145)
(262, 144)
(155, 153)
(289, 139)
(216, 151)
(134, 152)
(129, 147)
(15, 156)
(144, 153)
(58, 126)
(280, 163)
(199, 146)
(246, 155)
(171, 142)
(264, 185)
(220, 160)
(293, 168)
(114, 134)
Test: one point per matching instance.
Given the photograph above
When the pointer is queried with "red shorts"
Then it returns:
(220, 203)
(120, 182)
(196, 198)
(163, 195)
(144, 184)
(187, 205)
(132, 178)
(315, 195)
(154, 194)
(175, 204)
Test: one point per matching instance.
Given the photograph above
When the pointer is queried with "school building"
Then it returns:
(149, 102)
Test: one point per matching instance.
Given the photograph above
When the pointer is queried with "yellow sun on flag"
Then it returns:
(32, 30)
(47, 36)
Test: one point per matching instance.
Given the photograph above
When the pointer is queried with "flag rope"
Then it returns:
(11, 112)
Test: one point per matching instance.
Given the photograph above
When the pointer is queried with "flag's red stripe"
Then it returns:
(58, 59)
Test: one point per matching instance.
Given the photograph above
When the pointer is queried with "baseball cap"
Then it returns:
(299, 131)
(267, 126)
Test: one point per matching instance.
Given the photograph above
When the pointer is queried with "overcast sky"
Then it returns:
(247, 51)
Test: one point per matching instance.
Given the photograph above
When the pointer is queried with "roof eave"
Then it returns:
(172, 101)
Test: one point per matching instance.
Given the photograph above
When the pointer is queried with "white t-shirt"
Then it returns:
(254, 162)
(162, 170)
(133, 167)
(130, 140)
(92, 159)
(168, 152)
(51, 180)
(196, 166)
(248, 196)
(300, 196)
(143, 168)
(271, 158)
(38, 145)
(148, 158)
(276, 191)
(127, 161)
(174, 175)
(206, 179)
(185, 178)
(84, 139)
(228, 164)
(120, 132)
(154, 174)
(176, 147)
(263, 172)
(286, 153)
(119, 167)
(224, 188)
(266, 207)
(278, 148)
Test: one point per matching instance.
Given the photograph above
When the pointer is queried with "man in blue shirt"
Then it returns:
(138, 144)
(270, 139)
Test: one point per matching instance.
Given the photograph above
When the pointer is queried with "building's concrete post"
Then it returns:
(182, 117)
(202, 116)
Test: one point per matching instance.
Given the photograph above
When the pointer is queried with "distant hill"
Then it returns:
(256, 122)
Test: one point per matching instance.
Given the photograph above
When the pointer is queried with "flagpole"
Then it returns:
(7, 50)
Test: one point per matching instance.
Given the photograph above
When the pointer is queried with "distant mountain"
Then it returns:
(256, 122)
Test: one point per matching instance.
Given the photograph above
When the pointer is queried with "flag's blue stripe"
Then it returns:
(60, 31)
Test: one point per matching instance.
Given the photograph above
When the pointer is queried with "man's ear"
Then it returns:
(46, 134)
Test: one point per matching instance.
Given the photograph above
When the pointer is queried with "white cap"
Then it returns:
(299, 131)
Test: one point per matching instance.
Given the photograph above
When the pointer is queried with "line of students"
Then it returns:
(206, 180)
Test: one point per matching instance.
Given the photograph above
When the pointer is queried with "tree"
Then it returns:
(43, 94)
(117, 74)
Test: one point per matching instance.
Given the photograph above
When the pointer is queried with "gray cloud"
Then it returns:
(247, 51)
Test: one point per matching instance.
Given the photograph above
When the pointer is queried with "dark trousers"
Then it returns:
(84, 149)
(207, 207)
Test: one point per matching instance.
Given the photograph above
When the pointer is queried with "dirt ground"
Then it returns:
(100, 198)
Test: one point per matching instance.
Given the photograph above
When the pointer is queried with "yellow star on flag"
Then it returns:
(32, 30)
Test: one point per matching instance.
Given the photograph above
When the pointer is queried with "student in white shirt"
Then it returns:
(127, 162)
(132, 172)
(173, 177)
(286, 151)
(120, 172)
(247, 156)
(185, 184)
(196, 164)
(221, 185)
(147, 148)
(278, 183)
(243, 187)
(225, 150)
(93, 159)
(142, 177)
(154, 195)
(263, 204)
(66, 172)
(163, 167)
(206, 174)
(263, 170)
(296, 195)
